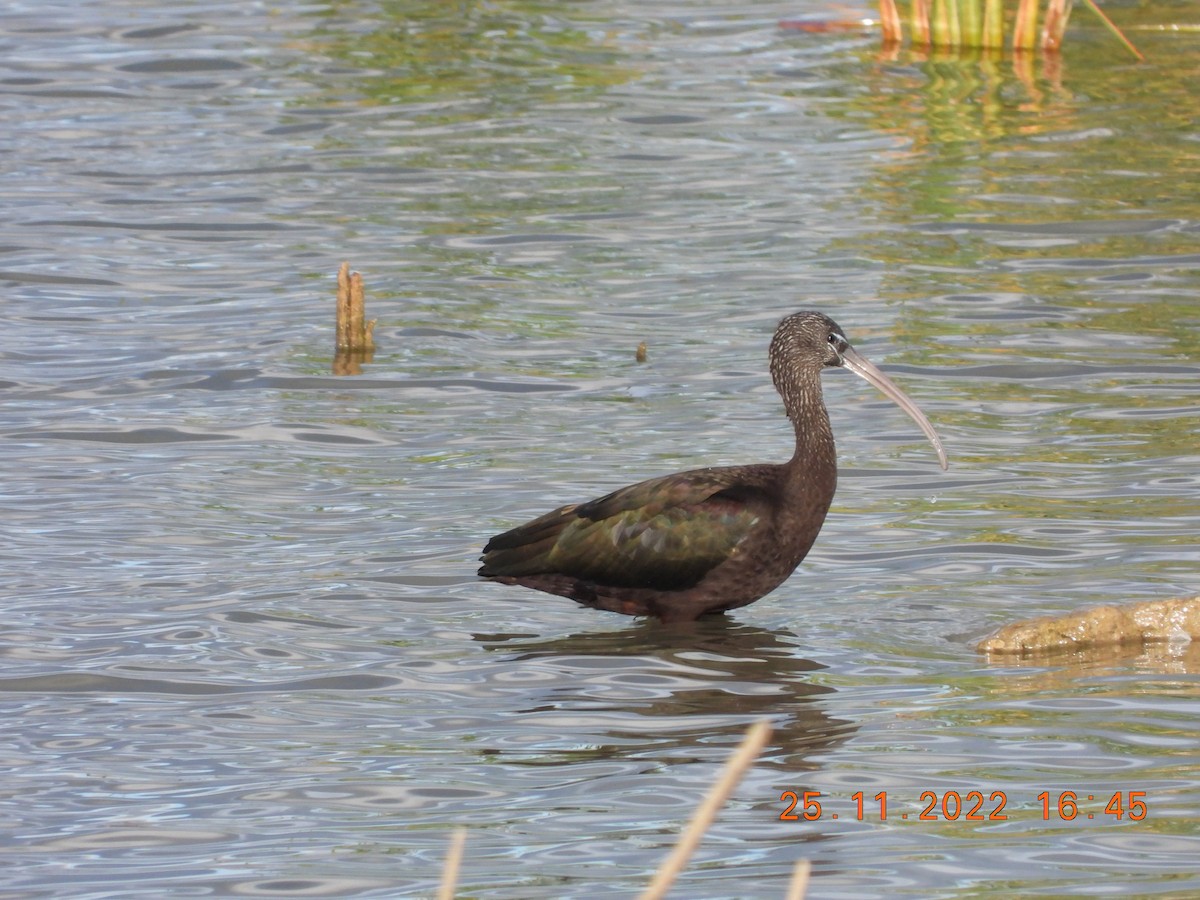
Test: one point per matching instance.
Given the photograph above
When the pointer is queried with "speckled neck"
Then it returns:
(797, 378)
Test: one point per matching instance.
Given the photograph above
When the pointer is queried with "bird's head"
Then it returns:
(807, 342)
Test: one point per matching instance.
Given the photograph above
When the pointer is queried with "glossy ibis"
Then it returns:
(707, 540)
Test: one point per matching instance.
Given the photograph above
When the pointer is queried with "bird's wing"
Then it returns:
(666, 533)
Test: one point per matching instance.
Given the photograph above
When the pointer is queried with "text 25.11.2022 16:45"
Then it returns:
(970, 807)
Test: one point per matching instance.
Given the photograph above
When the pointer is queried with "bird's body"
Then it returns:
(706, 540)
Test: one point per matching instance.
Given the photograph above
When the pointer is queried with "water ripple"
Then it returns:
(245, 651)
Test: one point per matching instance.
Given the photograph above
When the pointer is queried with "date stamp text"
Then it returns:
(972, 806)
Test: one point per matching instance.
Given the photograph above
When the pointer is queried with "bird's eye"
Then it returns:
(837, 340)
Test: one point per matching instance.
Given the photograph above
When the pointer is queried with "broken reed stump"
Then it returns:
(354, 343)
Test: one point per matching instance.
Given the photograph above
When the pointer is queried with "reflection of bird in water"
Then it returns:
(707, 540)
(647, 687)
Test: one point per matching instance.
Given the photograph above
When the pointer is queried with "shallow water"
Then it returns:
(245, 651)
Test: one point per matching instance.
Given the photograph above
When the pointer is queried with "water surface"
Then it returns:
(245, 651)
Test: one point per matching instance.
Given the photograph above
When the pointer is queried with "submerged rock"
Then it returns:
(1152, 622)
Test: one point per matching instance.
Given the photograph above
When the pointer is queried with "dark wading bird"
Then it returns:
(709, 540)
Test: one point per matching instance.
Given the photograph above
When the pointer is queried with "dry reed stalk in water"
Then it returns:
(1057, 13)
(454, 855)
(752, 744)
(1024, 32)
(799, 883)
(889, 21)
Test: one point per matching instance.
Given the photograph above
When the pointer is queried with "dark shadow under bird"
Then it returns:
(707, 540)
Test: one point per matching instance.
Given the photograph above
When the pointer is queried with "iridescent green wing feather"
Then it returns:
(666, 534)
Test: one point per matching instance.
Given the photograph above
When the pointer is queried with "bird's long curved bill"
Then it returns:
(866, 370)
